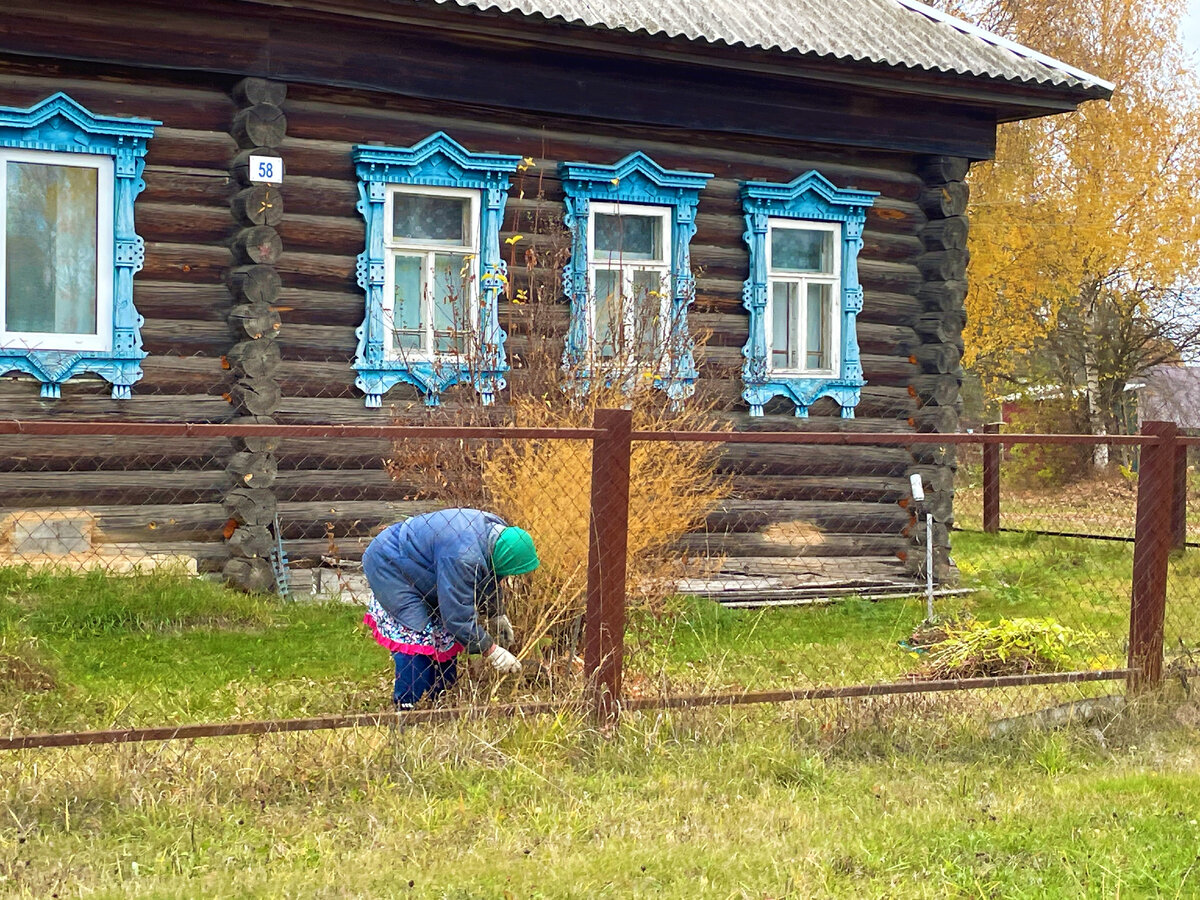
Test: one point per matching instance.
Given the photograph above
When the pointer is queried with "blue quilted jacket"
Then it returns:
(437, 568)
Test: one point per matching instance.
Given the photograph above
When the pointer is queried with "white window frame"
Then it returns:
(409, 247)
(834, 282)
(627, 269)
(101, 341)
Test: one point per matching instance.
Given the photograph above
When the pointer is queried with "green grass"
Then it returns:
(163, 648)
(166, 648)
(886, 799)
(1082, 584)
(900, 797)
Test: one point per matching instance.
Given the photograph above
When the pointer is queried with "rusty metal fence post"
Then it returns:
(991, 481)
(1153, 538)
(608, 531)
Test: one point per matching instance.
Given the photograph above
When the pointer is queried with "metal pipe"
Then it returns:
(414, 717)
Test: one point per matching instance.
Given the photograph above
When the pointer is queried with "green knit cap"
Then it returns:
(514, 553)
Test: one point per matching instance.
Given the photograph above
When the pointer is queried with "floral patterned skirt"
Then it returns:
(433, 640)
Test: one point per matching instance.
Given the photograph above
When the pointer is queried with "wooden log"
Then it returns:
(877, 339)
(258, 285)
(180, 223)
(256, 91)
(256, 320)
(191, 149)
(937, 479)
(258, 244)
(254, 358)
(843, 516)
(943, 265)
(942, 296)
(261, 125)
(871, 488)
(190, 187)
(259, 204)
(941, 532)
(252, 575)
(780, 459)
(251, 506)
(934, 454)
(940, 169)
(255, 444)
(945, 234)
(943, 327)
(888, 370)
(29, 487)
(191, 263)
(939, 419)
(251, 542)
(938, 359)
(182, 337)
(941, 201)
(801, 543)
(181, 301)
(890, 308)
(741, 420)
(256, 396)
(941, 390)
(940, 503)
(256, 470)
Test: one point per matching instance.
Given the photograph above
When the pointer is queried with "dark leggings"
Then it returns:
(418, 675)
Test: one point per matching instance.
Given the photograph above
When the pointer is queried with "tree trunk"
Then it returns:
(1091, 373)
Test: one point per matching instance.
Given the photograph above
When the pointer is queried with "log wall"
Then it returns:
(183, 216)
(202, 367)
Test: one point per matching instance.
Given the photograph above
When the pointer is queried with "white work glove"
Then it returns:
(503, 661)
(501, 630)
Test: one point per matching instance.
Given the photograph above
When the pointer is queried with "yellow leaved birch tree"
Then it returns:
(1085, 228)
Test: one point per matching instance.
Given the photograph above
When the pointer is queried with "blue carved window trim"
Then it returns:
(810, 197)
(59, 125)
(438, 161)
(638, 181)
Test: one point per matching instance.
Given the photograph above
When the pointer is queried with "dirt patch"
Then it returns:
(24, 675)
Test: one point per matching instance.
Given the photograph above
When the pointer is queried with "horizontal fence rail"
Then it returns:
(528, 710)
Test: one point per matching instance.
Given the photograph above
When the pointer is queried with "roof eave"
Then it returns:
(1011, 99)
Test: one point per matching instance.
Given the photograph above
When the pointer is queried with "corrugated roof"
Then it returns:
(888, 32)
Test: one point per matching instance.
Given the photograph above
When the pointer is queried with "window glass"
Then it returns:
(409, 330)
(801, 250)
(647, 310)
(51, 244)
(628, 237)
(609, 317)
(451, 290)
(817, 341)
(420, 217)
(785, 321)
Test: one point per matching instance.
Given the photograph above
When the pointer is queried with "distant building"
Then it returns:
(1170, 394)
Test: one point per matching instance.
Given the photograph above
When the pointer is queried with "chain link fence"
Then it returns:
(683, 568)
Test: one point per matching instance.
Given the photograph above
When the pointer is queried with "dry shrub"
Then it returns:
(545, 486)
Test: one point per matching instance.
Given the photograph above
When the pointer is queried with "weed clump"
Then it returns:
(1019, 646)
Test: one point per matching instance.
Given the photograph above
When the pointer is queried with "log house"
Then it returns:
(255, 296)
